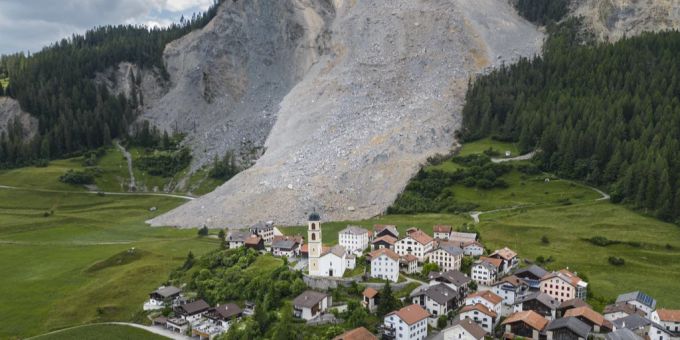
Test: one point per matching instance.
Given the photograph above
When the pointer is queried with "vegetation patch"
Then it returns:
(103, 332)
(122, 258)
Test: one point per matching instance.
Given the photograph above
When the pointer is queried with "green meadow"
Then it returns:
(101, 332)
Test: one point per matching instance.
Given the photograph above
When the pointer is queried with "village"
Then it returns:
(465, 290)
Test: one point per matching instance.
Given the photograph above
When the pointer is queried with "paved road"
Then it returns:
(156, 330)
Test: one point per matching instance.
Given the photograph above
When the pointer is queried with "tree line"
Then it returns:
(607, 114)
(56, 86)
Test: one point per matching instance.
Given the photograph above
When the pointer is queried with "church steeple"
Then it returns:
(314, 243)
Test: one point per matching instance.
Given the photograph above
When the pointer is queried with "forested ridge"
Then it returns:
(56, 86)
(608, 114)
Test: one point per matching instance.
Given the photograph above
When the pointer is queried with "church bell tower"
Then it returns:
(314, 244)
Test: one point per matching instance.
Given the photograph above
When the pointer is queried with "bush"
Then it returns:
(616, 261)
(545, 240)
(77, 177)
(164, 163)
(602, 241)
(203, 231)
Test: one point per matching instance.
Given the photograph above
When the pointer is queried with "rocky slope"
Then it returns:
(11, 110)
(362, 92)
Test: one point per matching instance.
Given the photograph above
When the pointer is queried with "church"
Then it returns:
(327, 262)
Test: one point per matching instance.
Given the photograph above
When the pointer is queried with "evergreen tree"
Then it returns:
(388, 302)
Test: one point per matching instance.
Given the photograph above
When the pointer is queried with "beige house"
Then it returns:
(564, 285)
(416, 243)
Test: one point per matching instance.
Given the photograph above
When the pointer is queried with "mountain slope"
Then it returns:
(385, 96)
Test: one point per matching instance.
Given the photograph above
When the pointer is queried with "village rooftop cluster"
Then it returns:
(496, 299)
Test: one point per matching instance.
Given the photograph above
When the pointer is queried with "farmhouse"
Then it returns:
(564, 285)
(409, 322)
(386, 241)
(527, 324)
(385, 264)
(567, 328)
(485, 271)
(639, 300)
(532, 275)
(192, 311)
(310, 304)
(161, 297)
(447, 257)
(541, 303)
(416, 243)
(670, 319)
(510, 288)
(462, 329)
(288, 246)
(442, 232)
(472, 248)
(237, 238)
(265, 230)
(354, 239)
(621, 310)
(509, 258)
(438, 300)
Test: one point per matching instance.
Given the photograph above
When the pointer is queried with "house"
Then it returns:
(472, 248)
(447, 257)
(385, 264)
(442, 232)
(622, 334)
(564, 285)
(509, 258)
(350, 261)
(527, 324)
(288, 246)
(567, 329)
(532, 275)
(510, 288)
(265, 230)
(360, 333)
(480, 314)
(643, 327)
(460, 237)
(218, 321)
(237, 238)
(177, 325)
(386, 241)
(409, 322)
(594, 319)
(465, 329)
(408, 264)
(192, 311)
(487, 298)
(669, 319)
(310, 304)
(161, 297)
(621, 310)
(541, 303)
(254, 242)
(571, 304)
(380, 230)
(371, 299)
(454, 279)
(640, 300)
(326, 262)
(416, 243)
(438, 300)
(485, 271)
(354, 239)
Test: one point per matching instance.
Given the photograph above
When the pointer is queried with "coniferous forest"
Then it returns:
(55, 85)
(607, 114)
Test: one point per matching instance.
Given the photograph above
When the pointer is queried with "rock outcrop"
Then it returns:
(362, 92)
(10, 111)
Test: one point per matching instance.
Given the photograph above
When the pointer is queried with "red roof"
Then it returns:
(672, 315)
(488, 296)
(493, 261)
(480, 308)
(386, 238)
(370, 292)
(529, 317)
(384, 251)
(439, 228)
(420, 237)
(411, 314)
(360, 333)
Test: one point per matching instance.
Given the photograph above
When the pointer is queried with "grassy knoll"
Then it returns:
(71, 267)
(102, 332)
(482, 145)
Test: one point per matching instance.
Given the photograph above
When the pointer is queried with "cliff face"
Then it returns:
(10, 110)
(362, 92)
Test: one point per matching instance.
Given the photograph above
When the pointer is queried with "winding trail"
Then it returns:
(524, 157)
(132, 186)
(155, 330)
(189, 198)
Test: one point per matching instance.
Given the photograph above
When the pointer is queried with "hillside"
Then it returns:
(385, 95)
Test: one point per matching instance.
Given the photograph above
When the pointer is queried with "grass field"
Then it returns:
(64, 269)
(102, 332)
(4, 82)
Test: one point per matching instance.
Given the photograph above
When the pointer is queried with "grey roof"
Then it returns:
(391, 229)
(262, 226)
(451, 249)
(572, 323)
(543, 298)
(533, 269)
(308, 299)
(167, 291)
(622, 334)
(456, 235)
(485, 264)
(354, 230)
(440, 293)
(639, 297)
(238, 235)
(336, 250)
(195, 307)
(631, 322)
(227, 311)
(284, 244)
(451, 276)
(470, 326)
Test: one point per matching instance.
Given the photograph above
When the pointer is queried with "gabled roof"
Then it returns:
(194, 307)
(534, 270)
(471, 327)
(262, 226)
(385, 238)
(420, 237)
(354, 230)
(308, 299)
(440, 228)
(336, 250)
(669, 315)
(480, 308)
(588, 314)
(454, 277)
(486, 295)
(622, 334)
(512, 279)
(456, 235)
(471, 243)
(543, 298)
(573, 303)
(392, 229)
(632, 322)
(360, 333)
(166, 292)
(505, 253)
(496, 263)
(238, 235)
(408, 258)
(623, 307)
(297, 238)
(639, 297)
(370, 292)
(529, 317)
(450, 249)
(284, 244)
(226, 311)
(567, 277)
(384, 251)
(577, 326)
(411, 314)
(440, 293)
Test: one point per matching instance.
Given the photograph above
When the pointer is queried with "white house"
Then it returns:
(192, 311)
(465, 329)
(288, 246)
(509, 257)
(408, 264)
(510, 288)
(264, 230)
(353, 238)
(669, 319)
(485, 271)
(487, 298)
(324, 262)
(371, 299)
(454, 279)
(416, 243)
(442, 232)
(564, 285)
(409, 322)
(385, 264)
(643, 327)
(447, 257)
(161, 297)
(472, 248)
(484, 317)
(621, 310)
(438, 300)
(237, 238)
(217, 321)
(640, 300)
(310, 304)
(386, 241)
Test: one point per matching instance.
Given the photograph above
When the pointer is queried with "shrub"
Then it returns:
(545, 240)
(203, 231)
(77, 177)
(616, 261)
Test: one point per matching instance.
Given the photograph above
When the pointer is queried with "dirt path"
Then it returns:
(524, 157)
(156, 330)
(189, 198)
(132, 185)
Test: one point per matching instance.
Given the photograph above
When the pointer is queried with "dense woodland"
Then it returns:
(55, 85)
(608, 114)
(542, 12)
